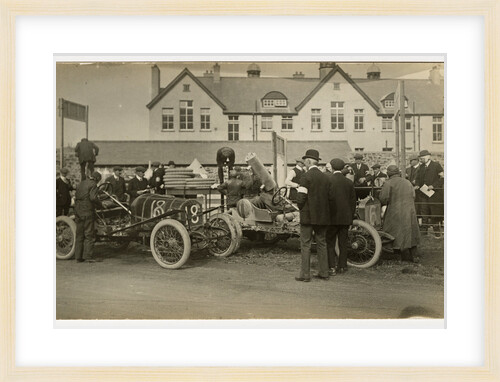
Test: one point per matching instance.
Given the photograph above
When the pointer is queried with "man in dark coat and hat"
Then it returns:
(431, 174)
(156, 181)
(63, 196)
(312, 200)
(400, 218)
(86, 200)
(138, 185)
(361, 171)
(342, 199)
(86, 151)
(118, 183)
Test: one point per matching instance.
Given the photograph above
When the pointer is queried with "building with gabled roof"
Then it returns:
(333, 107)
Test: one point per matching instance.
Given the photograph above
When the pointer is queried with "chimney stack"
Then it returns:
(298, 75)
(216, 73)
(435, 76)
(208, 74)
(155, 81)
(325, 68)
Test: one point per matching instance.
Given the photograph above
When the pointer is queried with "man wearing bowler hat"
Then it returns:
(118, 183)
(138, 185)
(293, 178)
(431, 174)
(312, 200)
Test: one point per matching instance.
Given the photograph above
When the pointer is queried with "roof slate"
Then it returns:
(183, 152)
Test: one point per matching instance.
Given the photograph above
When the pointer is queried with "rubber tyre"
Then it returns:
(225, 221)
(68, 225)
(176, 234)
(369, 245)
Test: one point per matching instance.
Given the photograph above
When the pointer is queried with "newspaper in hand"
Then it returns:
(426, 191)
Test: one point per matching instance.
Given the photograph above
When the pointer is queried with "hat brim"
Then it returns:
(310, 156)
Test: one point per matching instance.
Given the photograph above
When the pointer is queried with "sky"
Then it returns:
(117, 93)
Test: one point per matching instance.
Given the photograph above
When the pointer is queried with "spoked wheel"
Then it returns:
(170, 244)
(223, 235)
(364, 245)
(65, 237)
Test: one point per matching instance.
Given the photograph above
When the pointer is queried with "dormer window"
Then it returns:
(389, 103)
(274, 99)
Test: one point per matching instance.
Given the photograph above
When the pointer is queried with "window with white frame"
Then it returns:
(359, 119)
(386, 123)
(233, 128)
(186, 87)
(286, 122)
(337, 116)
(389, 103)
(280, 103)
(204, 118)
(267, 103)
(167, 118)
(315, 119)
(437, 129)
(186, 115)
(267, 123)
(336, 86)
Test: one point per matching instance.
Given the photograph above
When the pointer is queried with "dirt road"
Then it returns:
(258, 282)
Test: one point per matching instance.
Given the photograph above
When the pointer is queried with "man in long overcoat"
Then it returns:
(86, 151)
(63, 196)
(312, 200)
(431, 174)
(342, 200)
(361, 172)
(86, 201)
(400, 218)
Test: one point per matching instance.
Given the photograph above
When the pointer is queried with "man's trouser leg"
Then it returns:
(320, 234)
(305, 250)
(90, 167)
(331, 238)
(80, 237)
(425, 209)
(342, 231)
(83, 165)
(88, 248)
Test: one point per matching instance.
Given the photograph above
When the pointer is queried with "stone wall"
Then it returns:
(370, 158)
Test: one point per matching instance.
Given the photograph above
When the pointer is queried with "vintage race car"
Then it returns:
(172, 227)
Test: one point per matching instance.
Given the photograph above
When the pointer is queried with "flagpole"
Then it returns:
(397, 139)
(62, 133)
(402, 124)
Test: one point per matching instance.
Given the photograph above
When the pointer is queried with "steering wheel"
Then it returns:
(104, 188)
(280, 199)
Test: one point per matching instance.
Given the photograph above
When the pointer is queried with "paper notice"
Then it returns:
(426, 191)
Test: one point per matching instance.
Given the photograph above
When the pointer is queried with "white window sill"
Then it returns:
(316, 131)
(338, 130)
(205, 130)
(287, 130)
(388, 131)
(438, 142)
(359, 131)
(167, 131)
(266, 130)
(186, 131)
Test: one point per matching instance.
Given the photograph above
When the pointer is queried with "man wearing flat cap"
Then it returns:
(138, 185)
(431, 174)
(376, 179)
(118, 183)
(342, 199)
(63, 189)
(86, 201)
(400, 218)
(361, 171)
(312, 200)
(156, 181)
(293, 178)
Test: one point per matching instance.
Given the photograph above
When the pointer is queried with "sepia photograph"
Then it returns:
(237, 190)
